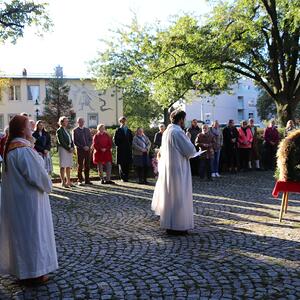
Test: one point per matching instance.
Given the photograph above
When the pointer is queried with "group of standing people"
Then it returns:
(239, 147)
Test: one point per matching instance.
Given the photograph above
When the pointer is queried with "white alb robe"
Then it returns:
(173, 197)
(27, 243)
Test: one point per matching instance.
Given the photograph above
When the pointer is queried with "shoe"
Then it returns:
(89, 183)
(65, 185)
(218, 175)
(110, 182)
(80, 183)
(34, 281)
(213, 174)
(258, 169)
(72, 185)
(177, 232)
(124, 180)
(102, 181)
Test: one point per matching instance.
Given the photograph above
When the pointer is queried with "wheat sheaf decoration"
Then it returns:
(288, 157)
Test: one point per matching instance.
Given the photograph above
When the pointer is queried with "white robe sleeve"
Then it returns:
(184, 145)
(30, 165)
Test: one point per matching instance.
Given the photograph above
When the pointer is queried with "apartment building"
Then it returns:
(27, 93)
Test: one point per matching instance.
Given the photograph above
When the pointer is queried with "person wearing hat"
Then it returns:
(123, 140)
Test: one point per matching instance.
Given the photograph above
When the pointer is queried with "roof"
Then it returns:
(41, 76)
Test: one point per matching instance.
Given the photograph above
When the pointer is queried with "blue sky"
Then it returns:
(78, 26)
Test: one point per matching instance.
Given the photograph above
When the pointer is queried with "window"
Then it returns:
(240, 115)
(15, 92)
(92, 120)
(10, 116)
(240, 102)
(1, 123)
(251, 115)
(33, 92)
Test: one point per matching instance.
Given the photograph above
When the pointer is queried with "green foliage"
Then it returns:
(258, 39)
(16, 14)
(57, 103)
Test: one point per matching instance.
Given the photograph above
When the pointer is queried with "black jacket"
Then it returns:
(229, 134)
(42, 142)
(124, 145)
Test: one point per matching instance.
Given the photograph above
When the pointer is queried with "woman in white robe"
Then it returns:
(173, 198)
(27, 243)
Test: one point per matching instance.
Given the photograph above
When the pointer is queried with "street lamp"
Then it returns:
(37, 110)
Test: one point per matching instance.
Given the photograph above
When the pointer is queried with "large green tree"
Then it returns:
(15, 15)
(258, 39)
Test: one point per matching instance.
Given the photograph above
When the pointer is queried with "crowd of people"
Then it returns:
(27, 242)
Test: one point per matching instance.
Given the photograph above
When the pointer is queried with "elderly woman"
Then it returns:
(27, 243)
(102, 145)
(43, 144)
(140, 150)
(65, 151)
(205, 141)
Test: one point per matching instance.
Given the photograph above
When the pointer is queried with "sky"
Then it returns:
(78, 27)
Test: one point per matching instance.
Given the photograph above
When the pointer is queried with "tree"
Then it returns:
(57, 103)
(122, 65)
(258, 39)
(137, 59)
(16, 14)
(266, 107)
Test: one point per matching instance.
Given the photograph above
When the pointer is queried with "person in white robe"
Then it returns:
(173, 198)
(27, 242)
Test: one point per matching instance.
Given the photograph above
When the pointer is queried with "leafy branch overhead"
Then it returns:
(16, 14)
(258, 39)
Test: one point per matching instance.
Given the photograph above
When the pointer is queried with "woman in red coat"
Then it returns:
(245, 144)
(102, 144)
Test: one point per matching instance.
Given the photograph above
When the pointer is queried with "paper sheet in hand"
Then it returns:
(198, 153)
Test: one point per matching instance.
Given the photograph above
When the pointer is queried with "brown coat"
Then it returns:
(206, 141)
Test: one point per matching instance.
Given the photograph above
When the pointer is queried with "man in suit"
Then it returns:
(83, 141)
(123, 141)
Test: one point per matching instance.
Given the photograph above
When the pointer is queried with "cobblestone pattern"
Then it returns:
(110, 245)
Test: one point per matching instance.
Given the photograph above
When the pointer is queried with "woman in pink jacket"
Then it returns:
(244, 144)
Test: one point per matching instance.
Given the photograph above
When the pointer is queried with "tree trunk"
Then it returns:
(166, 117)
(285, 111)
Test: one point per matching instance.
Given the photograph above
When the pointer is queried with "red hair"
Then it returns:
(16, 129)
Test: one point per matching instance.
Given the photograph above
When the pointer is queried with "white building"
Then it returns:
(239, 104)
(26, 93)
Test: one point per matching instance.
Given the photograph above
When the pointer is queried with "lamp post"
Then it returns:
(37, 110)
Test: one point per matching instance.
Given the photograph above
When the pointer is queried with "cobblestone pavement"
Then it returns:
(110, 245)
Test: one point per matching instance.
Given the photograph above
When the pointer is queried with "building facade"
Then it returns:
(27, 93)
(239, 104)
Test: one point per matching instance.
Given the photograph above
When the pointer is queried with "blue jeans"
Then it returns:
(215, 162)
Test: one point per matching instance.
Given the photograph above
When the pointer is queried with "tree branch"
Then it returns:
(169, 69)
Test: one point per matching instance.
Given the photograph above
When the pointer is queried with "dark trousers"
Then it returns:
(205, 168)
(231, 158)
(83, 160)
(270, 156)
(124, 171)
(244, 155)
(194, 162)
(142, 174)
